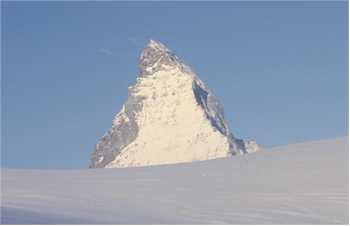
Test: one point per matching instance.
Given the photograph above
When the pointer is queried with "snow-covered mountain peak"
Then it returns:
(170, 116)
(155, 57)
(157, 45)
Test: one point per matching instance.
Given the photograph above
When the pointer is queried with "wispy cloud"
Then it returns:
(105, 51)
(135, 42)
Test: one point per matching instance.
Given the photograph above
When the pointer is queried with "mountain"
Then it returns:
(170, 116)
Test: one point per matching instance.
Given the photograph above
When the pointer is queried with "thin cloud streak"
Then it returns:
(105, 51)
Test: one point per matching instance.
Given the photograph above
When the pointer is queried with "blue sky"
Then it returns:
(279, 69)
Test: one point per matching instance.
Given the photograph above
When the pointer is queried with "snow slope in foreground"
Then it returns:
(296, 184)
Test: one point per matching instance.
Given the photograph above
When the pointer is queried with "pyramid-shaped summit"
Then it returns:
(170, 116)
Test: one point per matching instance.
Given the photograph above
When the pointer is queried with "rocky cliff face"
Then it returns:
(170, 117)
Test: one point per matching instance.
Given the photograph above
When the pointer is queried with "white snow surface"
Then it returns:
(173, 127)
(296, 184)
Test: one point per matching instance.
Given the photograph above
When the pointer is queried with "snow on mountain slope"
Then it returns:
(295, 184)
(170, 117)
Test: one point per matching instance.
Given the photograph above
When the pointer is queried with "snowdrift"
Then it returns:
(296, 184)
